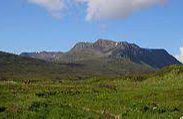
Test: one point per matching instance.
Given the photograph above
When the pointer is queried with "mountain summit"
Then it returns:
(109, 50)
(103, 44)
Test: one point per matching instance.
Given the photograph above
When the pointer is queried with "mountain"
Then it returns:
(49, 56)
(111, 51)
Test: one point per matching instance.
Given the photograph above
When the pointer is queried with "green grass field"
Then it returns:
(157, 96)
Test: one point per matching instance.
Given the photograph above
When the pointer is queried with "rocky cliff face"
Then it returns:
(107, 49)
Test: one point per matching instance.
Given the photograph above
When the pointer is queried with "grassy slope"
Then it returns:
(158, 96)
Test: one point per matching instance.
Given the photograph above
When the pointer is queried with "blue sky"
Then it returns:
(29, 26)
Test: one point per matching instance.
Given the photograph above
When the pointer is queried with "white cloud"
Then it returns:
(98, 9)
(55, 7)
(113, 9)
(180, 56)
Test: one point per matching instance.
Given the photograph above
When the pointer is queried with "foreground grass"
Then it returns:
(157, 97)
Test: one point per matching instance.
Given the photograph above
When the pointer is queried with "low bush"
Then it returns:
(2, 109)
(36, 106)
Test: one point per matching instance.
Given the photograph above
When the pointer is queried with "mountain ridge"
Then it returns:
(104, 48)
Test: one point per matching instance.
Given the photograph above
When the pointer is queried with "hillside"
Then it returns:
(110, 50)
(13, 66)
(11, 62)
(149, 97)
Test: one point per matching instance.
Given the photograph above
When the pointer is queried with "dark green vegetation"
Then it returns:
(31, 89)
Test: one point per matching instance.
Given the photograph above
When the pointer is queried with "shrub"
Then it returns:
(2, 109)
(36, 106)
(46, 94)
